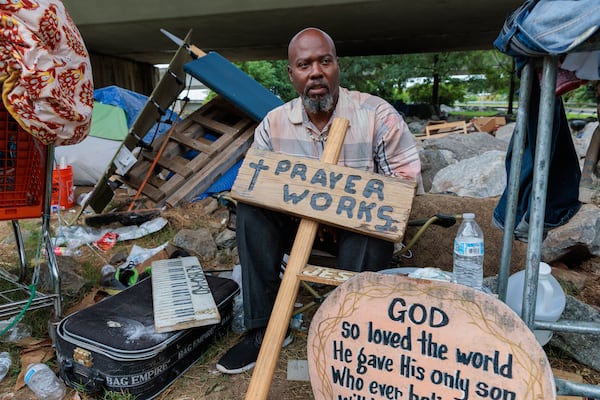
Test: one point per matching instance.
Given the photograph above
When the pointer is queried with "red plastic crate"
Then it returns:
(22, 171)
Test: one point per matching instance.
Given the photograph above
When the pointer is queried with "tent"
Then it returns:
(114, 112)
(90, 157)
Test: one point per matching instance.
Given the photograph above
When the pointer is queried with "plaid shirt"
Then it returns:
(377, 139)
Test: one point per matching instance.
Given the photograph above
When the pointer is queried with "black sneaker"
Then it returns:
(242, 357)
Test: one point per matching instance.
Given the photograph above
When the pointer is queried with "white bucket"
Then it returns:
(550, 299)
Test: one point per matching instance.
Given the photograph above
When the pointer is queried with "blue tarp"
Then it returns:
(132, 103)
(241, 90)
(223, 184)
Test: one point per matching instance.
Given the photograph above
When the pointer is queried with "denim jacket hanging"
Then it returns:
(541, 27)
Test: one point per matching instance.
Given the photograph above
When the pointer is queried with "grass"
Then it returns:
(571, 116)
(468, 114)
(118, 396)
(200, 381)
(91, 273)
(37, 320)
(108, 395)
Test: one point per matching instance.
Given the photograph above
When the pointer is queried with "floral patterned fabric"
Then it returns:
(45, 71)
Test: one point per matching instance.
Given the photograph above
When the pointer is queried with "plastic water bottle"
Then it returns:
(67, 251)
(297, 317)
(5, 363)
(237, 324)
(44, 383)
(14, 334)
(550, 299)
(468, 253)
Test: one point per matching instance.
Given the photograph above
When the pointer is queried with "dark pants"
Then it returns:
(563, 177)
(264, 236)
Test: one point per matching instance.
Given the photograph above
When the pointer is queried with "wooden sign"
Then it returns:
(325, 275)
(181, 296)
(345, 197)
(262, 376)
(380, 336)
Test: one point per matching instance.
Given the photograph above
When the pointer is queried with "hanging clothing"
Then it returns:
(563, 176)
(542, 27)
(45, 71)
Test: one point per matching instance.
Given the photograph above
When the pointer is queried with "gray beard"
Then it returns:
(321, 104)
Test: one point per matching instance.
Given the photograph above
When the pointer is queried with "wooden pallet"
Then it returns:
(445, 128)
(203, 146)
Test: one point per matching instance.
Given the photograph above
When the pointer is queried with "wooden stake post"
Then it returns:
(387, 221)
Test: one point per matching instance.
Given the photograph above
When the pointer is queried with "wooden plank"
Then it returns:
(191, 129)
(214, 126)
(201, 161)
(225, 139)
(488, 124)
(169, 160)
(136, 175)
(150, 190)
(325, 275)
(203, 146)
(436, 135)
(361, 201)
(570, 376)
(175, 181)
(214, 169)
(191, 135)
(458, 126)
(177, 164)
(137, 172)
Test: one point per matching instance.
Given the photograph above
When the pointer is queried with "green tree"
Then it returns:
(488, 71)
(272, 75)
(386, 75)
(448, 92)
(583, 94)
(382, 76)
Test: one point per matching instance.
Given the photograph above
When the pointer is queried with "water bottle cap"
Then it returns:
(545, 269)
(31, 369)
(468, 216)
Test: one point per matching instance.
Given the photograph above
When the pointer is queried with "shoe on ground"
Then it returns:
(111, 284)
(242, 357)
(127, 275)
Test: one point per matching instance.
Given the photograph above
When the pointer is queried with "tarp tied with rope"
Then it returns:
(45, 71)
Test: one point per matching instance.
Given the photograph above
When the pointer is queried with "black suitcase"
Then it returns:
(112, 345)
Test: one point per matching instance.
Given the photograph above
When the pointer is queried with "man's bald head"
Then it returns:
(314, 71)
(312, 33)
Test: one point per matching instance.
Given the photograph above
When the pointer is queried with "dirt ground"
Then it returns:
(432, 249)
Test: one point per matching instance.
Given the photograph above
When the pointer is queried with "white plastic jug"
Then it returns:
(550, 299)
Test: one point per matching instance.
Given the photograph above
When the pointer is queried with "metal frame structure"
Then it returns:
(15, 286)
(538, 206)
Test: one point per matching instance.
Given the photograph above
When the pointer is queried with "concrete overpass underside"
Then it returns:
(260, 29)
